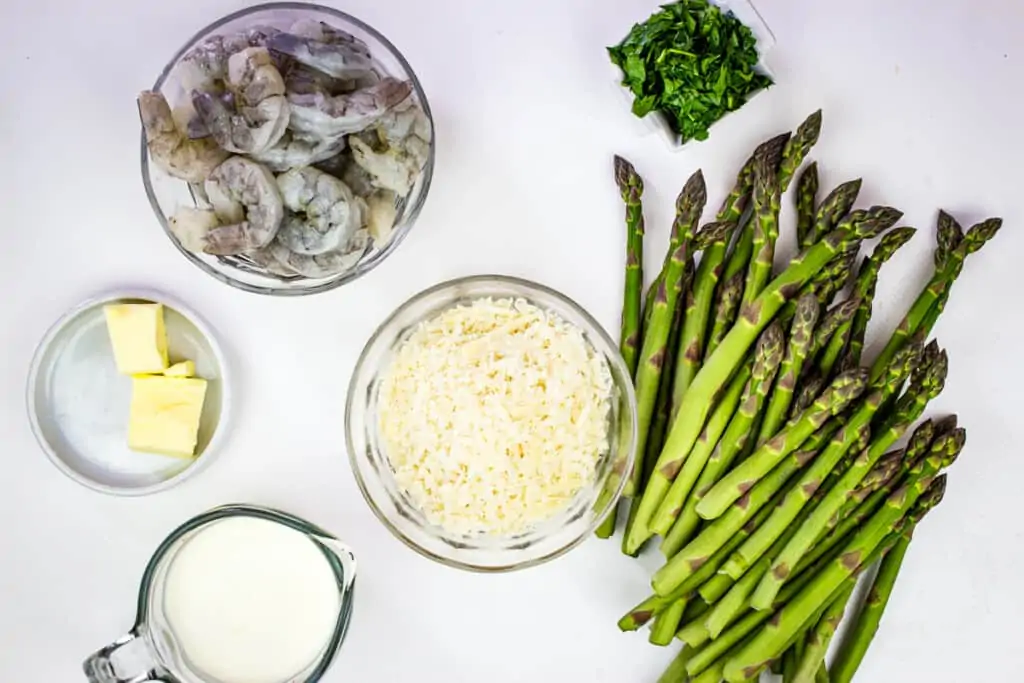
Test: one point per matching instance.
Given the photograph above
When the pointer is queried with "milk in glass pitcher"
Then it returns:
(239, 594)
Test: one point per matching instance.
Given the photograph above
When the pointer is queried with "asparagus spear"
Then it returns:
(676, 671)
(948, 235)
(659, 423)
(853, 435)
(867, 281)
(806, 317)
(836, 204)
(666, 623)
(942, 280)
(926, 384)
(743, 246)
(820, 636)
(726, 309)
(654, 604)
(844, 390)
(723, 530)
(810, 387)
(862, 632)
(694, 407)
(926, 437)
(733, 442)
(837, 316)
(703, 293)
(734, 399)
(767, 356)
(806, 200)
(689, 206)
(767, 194)
(768, 188)
(797, 147)
(631, 186)
(788, 621)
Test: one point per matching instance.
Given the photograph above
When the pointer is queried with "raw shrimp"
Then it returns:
(319, 114)
(264, 258)
(170, 148)
(403, 148)
(325, 49)
(325, 212)
(299, 78)
(294, 150)
(382, 210)
(207, 62)
(248, 205)
(323, 265)
(261, 116)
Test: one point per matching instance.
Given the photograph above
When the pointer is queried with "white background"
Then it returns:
(921, 98)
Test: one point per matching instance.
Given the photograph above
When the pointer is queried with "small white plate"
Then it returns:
(78, 402)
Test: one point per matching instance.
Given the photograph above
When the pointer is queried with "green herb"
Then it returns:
(692, 62)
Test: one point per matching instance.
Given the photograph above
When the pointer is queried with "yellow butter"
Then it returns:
(164, 415)
(185, 368)
(138, 336)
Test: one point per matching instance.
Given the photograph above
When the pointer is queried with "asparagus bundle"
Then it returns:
(769, 463)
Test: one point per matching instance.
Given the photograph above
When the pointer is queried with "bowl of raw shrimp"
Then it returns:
(287, 148)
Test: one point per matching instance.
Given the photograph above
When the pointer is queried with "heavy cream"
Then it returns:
(251, 601)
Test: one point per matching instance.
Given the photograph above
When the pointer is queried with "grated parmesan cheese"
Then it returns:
(494, 414)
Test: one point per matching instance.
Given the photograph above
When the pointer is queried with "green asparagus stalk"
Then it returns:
(941, 437)
(734, 399)
(723, 530)
(631, 187)
(789, 662)
(743, 245)
(942, 280)
(806, 201)
(767, 356)
(667, 622)
(767, 196)
(833, 207)
(797, 148)
(926, 383)
(694, 407)
(810, 386)
(867, 281)
(820, 637)
(655, 604)
(837, 316)
(949, 235)
(726, 308)
(661, 419)
(703, 293)
(733, 442)
(853, 648)
(853, 436)
(788, 621)
(800, 334)
(744, 627)
(841, 393)
(689, 206)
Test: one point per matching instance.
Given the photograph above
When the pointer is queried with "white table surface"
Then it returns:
(923, 99)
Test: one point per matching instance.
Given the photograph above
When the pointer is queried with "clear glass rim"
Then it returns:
(613, 356)
(412, 211)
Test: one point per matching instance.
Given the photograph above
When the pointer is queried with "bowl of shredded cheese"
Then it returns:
(489, 421)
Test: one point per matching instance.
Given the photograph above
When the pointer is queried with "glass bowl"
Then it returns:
(167, 193)
(486, 553)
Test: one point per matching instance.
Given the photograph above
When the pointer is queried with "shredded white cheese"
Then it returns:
(494, 415)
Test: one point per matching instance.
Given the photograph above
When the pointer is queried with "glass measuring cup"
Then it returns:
(150, 652)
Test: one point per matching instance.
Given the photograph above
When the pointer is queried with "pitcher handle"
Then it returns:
(129, 659)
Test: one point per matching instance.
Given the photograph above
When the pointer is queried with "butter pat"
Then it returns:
(138, 337)
(185, 368)
(165, 413)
